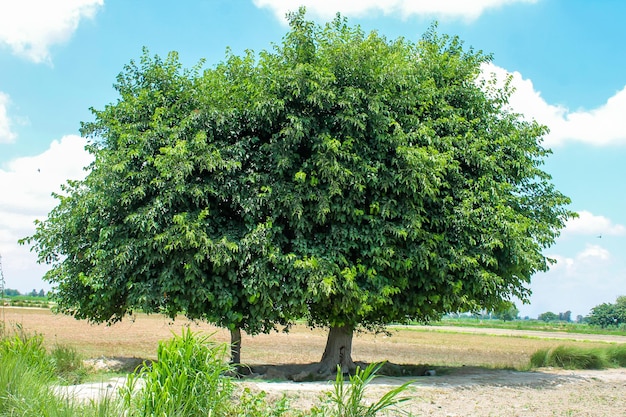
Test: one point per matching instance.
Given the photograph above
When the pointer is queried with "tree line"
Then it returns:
(10, 292)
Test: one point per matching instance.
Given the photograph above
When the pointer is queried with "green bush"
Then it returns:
(570, 357)
(617, 355)
(27, 374)
(188, 379)
(68, 365)
(28, 348)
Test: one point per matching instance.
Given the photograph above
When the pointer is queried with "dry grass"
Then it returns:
(139, 338)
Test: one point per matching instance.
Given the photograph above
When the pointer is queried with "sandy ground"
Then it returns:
(470, 392)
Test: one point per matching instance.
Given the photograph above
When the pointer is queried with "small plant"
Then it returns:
(256, 405)
(29, 348)
(348, 400)
(68, 364)
(188, 379)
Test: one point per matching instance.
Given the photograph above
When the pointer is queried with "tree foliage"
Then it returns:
(609, 315)
(548, 316)
(341, 176)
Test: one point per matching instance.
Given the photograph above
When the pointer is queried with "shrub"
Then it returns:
(348, 401)
(617, 355)
(188, 379)
(68, 364)
(28, 348)
(570, 357)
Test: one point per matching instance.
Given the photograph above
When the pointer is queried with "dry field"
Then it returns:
(470, 379)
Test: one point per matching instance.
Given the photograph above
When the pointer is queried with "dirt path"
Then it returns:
(468, 392)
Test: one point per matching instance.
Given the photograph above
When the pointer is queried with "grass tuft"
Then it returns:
(188, 379)
(68, 365)
(617, 355)
(573, 357)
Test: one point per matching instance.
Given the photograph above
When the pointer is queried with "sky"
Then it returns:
(59, 58)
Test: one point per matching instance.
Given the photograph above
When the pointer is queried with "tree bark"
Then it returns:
(235, 346)
(338, 351)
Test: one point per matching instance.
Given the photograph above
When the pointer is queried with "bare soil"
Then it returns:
(468, 381)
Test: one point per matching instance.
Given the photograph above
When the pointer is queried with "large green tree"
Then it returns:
(341, 177)
(168, 219)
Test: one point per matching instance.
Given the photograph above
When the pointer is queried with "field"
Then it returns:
(478, 374)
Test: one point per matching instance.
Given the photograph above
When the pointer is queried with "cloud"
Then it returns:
(589, 224)
(26, 185)
(591, 255)
(326, 9)
(602, 126)
(6, 135)
(30, 27)
(577, 283)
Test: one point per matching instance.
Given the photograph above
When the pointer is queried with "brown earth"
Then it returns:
(469, 380)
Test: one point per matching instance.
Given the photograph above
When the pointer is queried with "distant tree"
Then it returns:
(41, 293)
(33, 293)
(608, 315)
(580, 319)
(507, 312)
(11, 292)
(548, 316)
(567, 316)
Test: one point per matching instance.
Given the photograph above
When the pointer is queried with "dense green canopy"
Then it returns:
(341, 177)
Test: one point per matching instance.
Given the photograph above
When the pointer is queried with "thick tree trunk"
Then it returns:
(338, 351)
(235, 346)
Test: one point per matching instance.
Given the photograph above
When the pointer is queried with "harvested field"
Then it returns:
(475, 375)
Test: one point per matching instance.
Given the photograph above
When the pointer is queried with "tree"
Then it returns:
(166, 220)
(507, 312)
(341, 177)
(567, 316)
(607, 314)
(407, 188)
(548, 317)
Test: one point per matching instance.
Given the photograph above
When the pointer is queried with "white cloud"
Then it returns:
(577, 283)
(326, 9)
(601, 126)
(26, 185)
(589, 224)
(30, 27)
(592, 255)
(6, 135)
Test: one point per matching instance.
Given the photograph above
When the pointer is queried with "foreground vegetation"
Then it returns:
(189, 378)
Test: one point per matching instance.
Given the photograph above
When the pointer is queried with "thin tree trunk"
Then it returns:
(338, 351)
(235, 346)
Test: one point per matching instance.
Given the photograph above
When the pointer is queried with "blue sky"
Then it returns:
(58, 58)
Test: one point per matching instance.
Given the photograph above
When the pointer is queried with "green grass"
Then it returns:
(190, 378)
(187, 379)
(535, 325)
(27, 374)
(617, 355)
(68, 365)
(349, 400)
(572, 357)
(27, 301)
